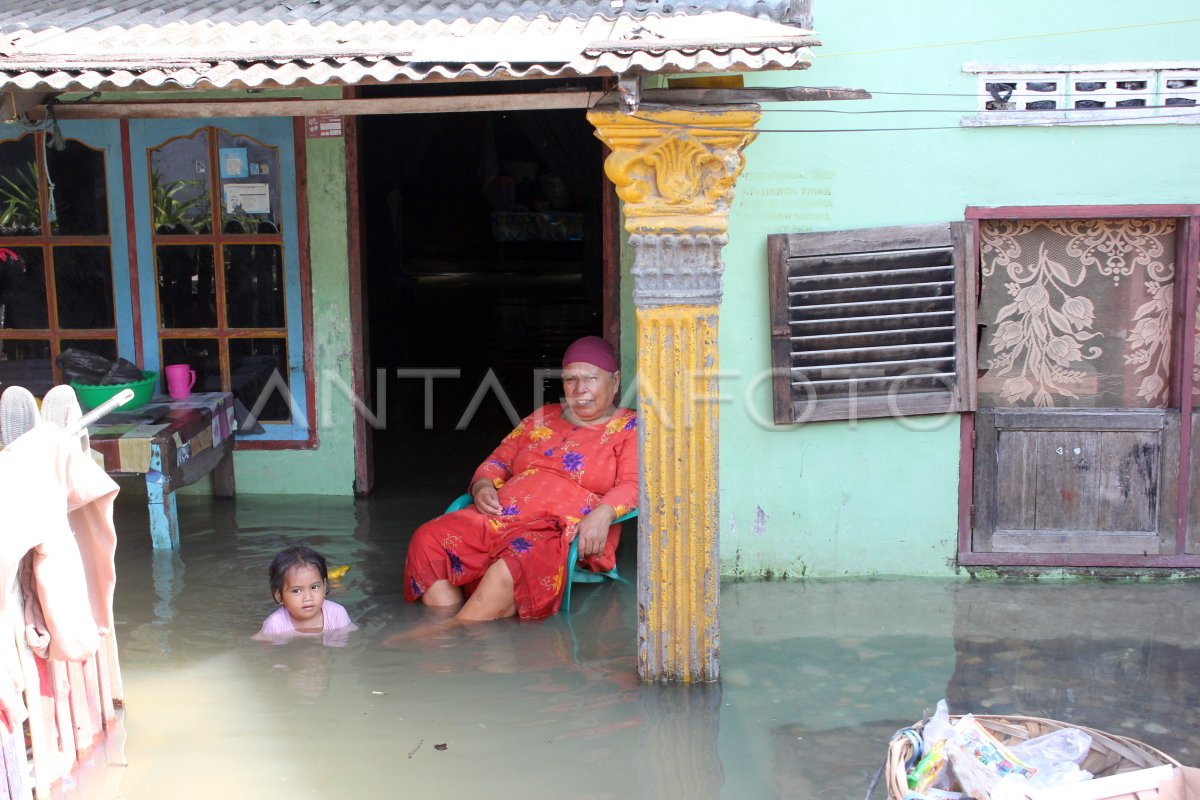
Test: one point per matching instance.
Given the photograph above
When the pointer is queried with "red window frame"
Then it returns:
(1188, 271)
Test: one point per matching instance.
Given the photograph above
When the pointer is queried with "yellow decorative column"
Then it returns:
(674, 171)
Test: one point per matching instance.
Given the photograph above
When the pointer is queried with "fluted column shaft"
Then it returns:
(674, 171)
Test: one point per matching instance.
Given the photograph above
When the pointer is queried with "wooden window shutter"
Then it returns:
(872, 323)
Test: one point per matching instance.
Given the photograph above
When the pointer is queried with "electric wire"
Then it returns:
(975, 110)
(1042, 122)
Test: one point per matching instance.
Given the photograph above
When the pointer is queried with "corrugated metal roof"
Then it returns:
(68, 45)
(69, 14)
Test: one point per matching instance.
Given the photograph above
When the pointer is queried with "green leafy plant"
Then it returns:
(20, 208)
(170, 209)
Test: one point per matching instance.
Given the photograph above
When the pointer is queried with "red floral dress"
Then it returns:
(550, 473)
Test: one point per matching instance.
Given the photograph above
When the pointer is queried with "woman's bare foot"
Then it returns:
(443, 627)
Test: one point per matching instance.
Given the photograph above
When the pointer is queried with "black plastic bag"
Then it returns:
(89, 368)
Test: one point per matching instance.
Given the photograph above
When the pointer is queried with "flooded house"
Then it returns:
(906, 293)
(898, 290)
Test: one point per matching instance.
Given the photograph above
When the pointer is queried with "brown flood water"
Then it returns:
(815, 675)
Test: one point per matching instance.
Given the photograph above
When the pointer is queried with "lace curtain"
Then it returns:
(1077, 313)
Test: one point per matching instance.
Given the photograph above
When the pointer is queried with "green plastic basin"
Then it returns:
(91, 395)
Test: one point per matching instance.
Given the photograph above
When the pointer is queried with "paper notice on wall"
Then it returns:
(251, 198)
(233, 162)
(323, 126)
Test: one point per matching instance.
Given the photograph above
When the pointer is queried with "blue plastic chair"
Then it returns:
(574, 573)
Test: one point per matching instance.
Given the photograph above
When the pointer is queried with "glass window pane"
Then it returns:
(249, 172)
(258, 373)
(202, 355)
(1076, 313)
(22, 288)
(254, 286)
(26, 362)
(78, 191)
(103, 347)
(186, 289)
(20, 206)
(179, 185)
(83, 287)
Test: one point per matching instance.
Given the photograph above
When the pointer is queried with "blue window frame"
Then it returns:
(64, 264)
(215, 205)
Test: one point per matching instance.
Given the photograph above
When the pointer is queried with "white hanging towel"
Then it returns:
(44, 477)
(90, 496)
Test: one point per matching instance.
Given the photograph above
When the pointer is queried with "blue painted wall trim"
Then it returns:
(274, 131)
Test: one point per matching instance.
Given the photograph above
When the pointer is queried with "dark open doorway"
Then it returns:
(484, 254)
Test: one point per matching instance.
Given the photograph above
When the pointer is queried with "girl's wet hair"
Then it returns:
(294, 557)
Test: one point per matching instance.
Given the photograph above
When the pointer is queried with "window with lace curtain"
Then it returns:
(1076, 313)
(1087, 366)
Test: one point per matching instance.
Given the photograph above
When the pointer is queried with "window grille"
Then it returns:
(1086, 95)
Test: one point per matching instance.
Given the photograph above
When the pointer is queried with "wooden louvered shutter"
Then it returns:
(872, 323)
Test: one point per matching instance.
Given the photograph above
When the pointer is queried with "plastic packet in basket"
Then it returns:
(978, 759)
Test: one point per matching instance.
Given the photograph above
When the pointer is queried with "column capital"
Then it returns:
(674, 168)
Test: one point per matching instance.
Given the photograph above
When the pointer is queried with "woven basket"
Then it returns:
(1109, 753)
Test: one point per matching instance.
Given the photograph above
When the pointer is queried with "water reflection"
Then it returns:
(679, 754)
(816, 675)
(167, 569)
(303, 665)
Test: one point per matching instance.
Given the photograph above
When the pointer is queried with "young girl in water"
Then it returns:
(299, 582)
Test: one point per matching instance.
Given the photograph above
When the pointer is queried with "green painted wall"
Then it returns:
(876, 497)
(831, 499)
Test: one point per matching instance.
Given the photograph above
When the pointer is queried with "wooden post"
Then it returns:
(104, 675)
(62, 711)
(85, 734)
(674, 171)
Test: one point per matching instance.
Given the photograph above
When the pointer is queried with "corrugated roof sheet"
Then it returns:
(68, 45)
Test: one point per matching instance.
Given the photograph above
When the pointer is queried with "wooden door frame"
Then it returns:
(1188, 216)
(360, 356)
(1189, 266)
(611, 238)
(360, 338)
(610, 218)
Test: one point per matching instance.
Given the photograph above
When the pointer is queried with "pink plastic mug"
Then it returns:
(180, 380)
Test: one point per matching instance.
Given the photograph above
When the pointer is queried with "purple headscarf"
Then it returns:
(591, 350)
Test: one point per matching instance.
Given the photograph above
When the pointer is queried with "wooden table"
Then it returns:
(173, 443)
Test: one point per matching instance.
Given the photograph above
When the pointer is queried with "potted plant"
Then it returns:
(171, 210)
(20, 208)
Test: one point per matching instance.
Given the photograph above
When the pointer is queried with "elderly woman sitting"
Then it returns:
(568, 470)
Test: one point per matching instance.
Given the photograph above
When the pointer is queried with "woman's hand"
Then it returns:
(592, 530)
(486, 498)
